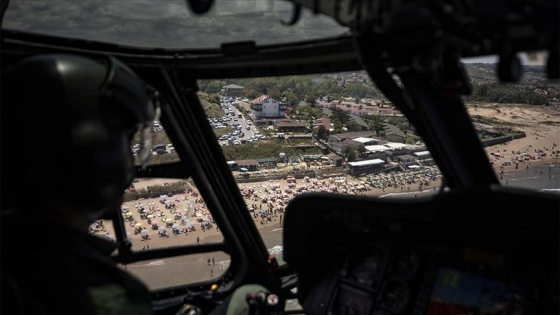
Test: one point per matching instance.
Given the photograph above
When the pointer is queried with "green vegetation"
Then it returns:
(157, 190)
(322, 132)
(254, 150)
(300, 141)
(507, 93)
(305, 112)
(310, 151)
(264, 149)
(411, 139)
(212, 110)
(163, 158)
(293, 89)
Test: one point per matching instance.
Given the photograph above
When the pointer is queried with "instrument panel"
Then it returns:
(355, 256)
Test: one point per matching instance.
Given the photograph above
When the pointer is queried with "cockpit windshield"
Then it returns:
(169, 24)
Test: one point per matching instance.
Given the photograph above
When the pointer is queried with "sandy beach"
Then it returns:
(541, 125)
(268, 199)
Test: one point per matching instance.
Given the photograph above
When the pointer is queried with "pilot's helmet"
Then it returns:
(67, 125)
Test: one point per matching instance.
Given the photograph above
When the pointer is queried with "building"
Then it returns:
(250, 165)
(358, 122)
(267, 107)
(397, 149)
(287, 125)
(324, 121)
(342, 146)
(339, 137)
(423, 155)
(376, 152)
(393, 133)
(364, 167)
(407, 160)
(233, 90)
(269, 162)
(335, 159)
(340, 142)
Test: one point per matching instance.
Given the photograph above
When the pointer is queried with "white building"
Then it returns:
(267, 107)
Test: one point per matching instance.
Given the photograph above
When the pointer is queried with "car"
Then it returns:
(159, 147)
(357, 230)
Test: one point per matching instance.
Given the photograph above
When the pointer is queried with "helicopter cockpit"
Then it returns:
(258, 200)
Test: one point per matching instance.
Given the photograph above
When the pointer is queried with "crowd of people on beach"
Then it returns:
(187, 213)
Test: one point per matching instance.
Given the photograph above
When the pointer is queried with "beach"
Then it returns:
(531, 162)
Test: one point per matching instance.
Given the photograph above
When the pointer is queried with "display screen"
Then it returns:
(457, 292)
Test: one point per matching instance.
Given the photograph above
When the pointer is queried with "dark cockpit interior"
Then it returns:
(473, 246)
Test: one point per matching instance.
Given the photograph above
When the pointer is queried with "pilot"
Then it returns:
(66, 129)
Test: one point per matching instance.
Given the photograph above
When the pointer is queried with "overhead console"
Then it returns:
(488, 251)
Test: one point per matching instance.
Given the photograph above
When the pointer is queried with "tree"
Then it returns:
(274, 93)
(214, 87)
(378, 125)
(351, 154)
(311, 100)
(361, 149)
(291, 98)
(353, 126)
(321, 132)
(251, 93)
